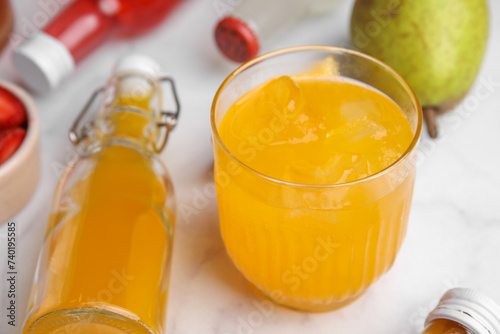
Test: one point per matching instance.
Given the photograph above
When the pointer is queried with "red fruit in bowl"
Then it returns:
(12, 111)
(10, 140)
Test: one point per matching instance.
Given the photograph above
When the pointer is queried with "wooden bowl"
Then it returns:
(20, 173)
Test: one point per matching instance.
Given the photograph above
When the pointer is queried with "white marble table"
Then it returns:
(454, 231)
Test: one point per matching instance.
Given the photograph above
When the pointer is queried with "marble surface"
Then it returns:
(454, 230)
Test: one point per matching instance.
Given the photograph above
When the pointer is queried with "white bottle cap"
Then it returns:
(137, 63)
(469, 308)
(43, 62)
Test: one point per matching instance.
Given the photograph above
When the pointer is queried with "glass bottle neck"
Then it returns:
(130, 111)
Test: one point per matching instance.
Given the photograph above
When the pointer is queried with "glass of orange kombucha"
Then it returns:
(315, 151)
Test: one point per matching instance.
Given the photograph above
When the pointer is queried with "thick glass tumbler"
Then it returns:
(307, 246)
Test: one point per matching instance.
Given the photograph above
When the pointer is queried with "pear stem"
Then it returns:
(430, 117)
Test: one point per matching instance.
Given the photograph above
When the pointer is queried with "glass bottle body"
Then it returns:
(104, 267)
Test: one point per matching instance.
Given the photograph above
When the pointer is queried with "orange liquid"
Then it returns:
(107, 254)
(445, 326)
(313, 248)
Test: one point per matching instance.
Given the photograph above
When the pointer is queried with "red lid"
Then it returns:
(236, 39)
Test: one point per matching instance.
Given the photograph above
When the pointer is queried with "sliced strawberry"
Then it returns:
(12, 111)
(10, 140)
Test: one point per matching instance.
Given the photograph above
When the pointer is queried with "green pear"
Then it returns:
(436, 45)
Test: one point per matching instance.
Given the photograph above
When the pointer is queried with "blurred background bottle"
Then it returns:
(240, 35)
(48, 57)
(464, 311)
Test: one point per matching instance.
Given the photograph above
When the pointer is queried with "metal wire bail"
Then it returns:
(168, 118)
(76, 135)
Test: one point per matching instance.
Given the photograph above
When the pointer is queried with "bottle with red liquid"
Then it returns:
(49, 56)
(241, 34)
